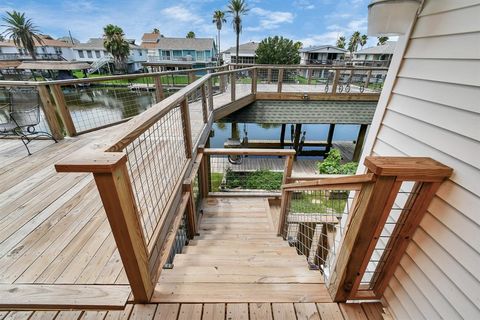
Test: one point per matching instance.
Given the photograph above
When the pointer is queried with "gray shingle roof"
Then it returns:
(387, 48)
(341, 112)
(246, 48)
(198, 44)
(324, 48)
(97, 44)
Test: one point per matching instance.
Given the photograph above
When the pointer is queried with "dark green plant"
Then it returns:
(191, 35)
(332, 164)
(278, 50)
(115, 43)
(237, 9)
(258, 180)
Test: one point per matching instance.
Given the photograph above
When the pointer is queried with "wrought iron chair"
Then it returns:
(21, 116)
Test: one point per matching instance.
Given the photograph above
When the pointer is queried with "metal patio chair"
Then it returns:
(21, 116)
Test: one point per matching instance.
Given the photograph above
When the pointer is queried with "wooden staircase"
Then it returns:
(238, 258)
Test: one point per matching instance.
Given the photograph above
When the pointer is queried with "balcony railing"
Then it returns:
(38, 56)
(173, 58)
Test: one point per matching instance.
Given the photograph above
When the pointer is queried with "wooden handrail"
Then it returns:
(249, 152)
(324, 184)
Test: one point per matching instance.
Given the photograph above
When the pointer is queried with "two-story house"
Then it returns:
(47, 49)
(246, 53)
(324, 54)
(378, 56)
(166, 53)
(95, 53)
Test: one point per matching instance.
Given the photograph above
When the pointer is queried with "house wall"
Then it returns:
(433, 110)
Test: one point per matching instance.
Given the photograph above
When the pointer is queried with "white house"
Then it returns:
(246, 53)
(94, 52)
(378, 56)
(324, 54)
(47, 49)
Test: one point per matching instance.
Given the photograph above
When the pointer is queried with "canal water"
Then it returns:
(114, 104)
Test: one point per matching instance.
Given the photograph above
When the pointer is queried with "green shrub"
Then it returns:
(331, 164)
(259, 180)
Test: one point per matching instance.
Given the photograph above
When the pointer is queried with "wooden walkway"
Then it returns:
(57, 251)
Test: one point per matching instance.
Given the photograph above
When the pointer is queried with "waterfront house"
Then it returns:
(323, 54)
(178, 53)
(94, 52)
(246, 53)
(48, 49)
(377, 56)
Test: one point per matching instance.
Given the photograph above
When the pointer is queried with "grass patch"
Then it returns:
(255, 180)
(318, 202)
(216, 181)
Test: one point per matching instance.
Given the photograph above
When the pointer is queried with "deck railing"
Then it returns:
(355, 229)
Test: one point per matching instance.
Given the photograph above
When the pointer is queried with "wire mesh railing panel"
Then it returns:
(251, 174)
(376, 81)
(323, 79)
(102, 103)
(180, 241)
(385, 245)
(313, 224)
(155, 161)
(267, 80)
(243, 81)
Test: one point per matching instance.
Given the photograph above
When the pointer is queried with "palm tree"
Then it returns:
(381, 40)
(22, 31)
(237, 9)
(354, 41)
(363, 40)
(115, 43)
(191, 35)
(219, 20)
(341, 42)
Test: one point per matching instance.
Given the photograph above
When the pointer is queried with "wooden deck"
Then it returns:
(57, 252)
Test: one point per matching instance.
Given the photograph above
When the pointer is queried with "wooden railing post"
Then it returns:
(204, 103)
(232, 86)
(269, 75)
(158, 88)
(191, 77)
(286, 195)
(49, 112)
(223, 84)
(367, 80)
(280, 80)
(210, 94)
(309, 76)
(62, 109)
(191, 211)
(371, 209)
(187, 128)
(113, 182)
(336, 78)
(254, 80)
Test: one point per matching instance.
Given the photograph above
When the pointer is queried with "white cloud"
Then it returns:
(320, 39)
(182, 14)
(270, 19)
(303, 4)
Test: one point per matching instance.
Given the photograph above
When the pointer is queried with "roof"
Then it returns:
(164, 43)
(97, 44)
(246, 48)
(387, 48)
(335, 112)
(324, 48)
(150, 37)
(53, 65)
(47, 41)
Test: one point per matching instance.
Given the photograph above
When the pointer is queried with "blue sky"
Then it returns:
(310, 21)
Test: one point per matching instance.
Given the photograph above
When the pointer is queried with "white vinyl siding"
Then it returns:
(434, 111)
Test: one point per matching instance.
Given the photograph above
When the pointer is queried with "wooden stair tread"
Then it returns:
(247, 260)
(245, 249)
(239, 292)
(240, 274)
(233, 242)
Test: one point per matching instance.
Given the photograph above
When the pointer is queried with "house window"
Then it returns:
(97, 53)
(80, 54)
(200, 55)
(44, 50)
(89, 54)
(140, 53)
(58, 50)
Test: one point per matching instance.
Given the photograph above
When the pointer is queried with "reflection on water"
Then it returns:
(98, 106)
